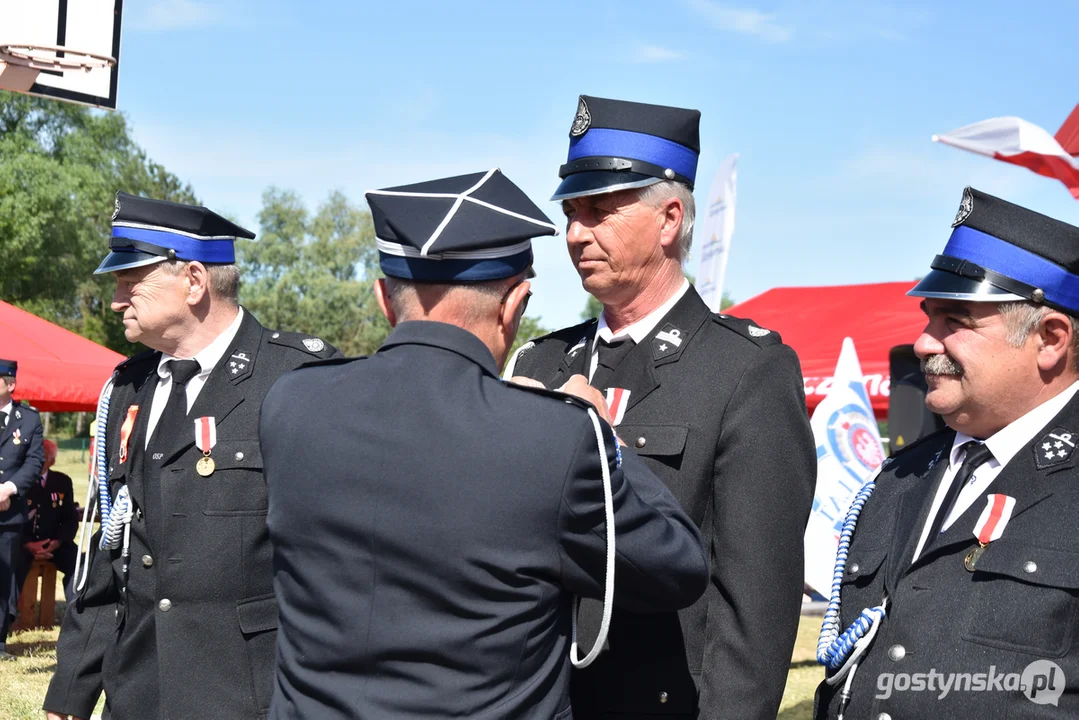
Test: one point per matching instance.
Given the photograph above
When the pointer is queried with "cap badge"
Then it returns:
(116, 208)
(313, 344)
(582, 120)
(966, 207)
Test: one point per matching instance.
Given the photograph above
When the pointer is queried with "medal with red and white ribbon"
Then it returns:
(617, 401)
(205, 439)
(990, 525)
(125, 432)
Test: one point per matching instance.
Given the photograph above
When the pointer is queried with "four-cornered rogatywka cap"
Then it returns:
(8, 367)
(618, 145)
(999, 252)
(146, 231)
(468, 228)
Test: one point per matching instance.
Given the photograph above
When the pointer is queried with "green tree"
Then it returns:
(60, 167)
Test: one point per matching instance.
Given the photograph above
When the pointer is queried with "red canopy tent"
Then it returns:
(814, 321)
(59, 371)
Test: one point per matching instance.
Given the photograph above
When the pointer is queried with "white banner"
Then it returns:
(717, 231)
(848, 451)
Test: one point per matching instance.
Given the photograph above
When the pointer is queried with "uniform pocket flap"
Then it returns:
(654, 439)
(863, 563)
(257, 614)
(230, 454)
(1031, 564)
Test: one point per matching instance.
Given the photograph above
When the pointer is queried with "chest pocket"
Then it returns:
(663, 442)
(236, 486)
(1025, 598)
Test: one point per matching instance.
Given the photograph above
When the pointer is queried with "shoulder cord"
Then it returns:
(608, 582)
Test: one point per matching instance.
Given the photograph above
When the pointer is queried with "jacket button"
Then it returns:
(897, 652)
(640, 442)
(884, 716)
(165, 605)
(239, 456)
(854, 568)
(1030, 566)
(276, 335)
(147, 561)
(663, 697)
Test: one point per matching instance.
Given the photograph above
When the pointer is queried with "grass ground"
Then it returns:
(23, 681)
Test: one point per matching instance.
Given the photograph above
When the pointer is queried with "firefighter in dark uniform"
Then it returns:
(431, 523)
(713, 404)
(176, 618)
(51, 523)
(21, 459)
(956, 593)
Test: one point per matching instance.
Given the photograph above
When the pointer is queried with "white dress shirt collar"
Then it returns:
(210, 355)
(641, 329)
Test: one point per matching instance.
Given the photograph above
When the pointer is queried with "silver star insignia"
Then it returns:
(1058, 444)
(663, 347)
(234, 371)
(1046, 446)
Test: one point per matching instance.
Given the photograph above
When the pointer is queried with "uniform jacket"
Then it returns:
(22, 456)
(193, 636)
(1019, 604)
(50, 510)
(427, 569)
(717, 411)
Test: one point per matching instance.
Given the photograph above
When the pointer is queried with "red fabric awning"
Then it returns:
(59, 371)
(814, 321)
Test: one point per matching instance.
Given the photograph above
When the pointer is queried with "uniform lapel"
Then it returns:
(914, 509)
(575, 361)
(141, 394)
(6, 433)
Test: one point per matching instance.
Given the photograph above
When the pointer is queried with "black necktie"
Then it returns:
(611, 355)
(172, 422)
(977, 455)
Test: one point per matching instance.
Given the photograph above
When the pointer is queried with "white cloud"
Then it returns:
(656, 54)
(175, 15)
(744, 21)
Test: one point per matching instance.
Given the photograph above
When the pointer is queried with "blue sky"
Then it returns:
(830, 105)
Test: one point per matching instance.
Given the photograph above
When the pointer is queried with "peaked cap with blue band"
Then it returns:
(999, 252)
(468, 228)
(8, 367)
(618, 145)
(146, 231)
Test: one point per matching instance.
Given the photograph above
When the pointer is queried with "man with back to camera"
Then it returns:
(958, 567)
(712, 404)
(457, 515)
(177, 618)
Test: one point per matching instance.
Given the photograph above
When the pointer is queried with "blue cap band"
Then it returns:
(186, 247)
(607, 142)
(460, 270)
(1060, 286)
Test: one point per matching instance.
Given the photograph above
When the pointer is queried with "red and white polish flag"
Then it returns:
(1016, 141)
(617, 401)
(205, 433)
(994, 518)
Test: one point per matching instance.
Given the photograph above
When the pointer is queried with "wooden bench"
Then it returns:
(37, 608)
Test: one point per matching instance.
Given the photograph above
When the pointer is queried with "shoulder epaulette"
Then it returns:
(553, 394)
(748, 329)
(330, 361)
(27, 406)
(306, 343)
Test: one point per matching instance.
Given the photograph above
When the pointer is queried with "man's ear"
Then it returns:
(1054, 339)
(198, 282)
(382, 294)
(672, 214)
(508, 312)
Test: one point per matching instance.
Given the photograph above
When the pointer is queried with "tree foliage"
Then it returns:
(60, 167)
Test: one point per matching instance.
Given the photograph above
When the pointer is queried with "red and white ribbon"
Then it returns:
(205, 433)
(125, 432)
(995, 517)
(617, 401)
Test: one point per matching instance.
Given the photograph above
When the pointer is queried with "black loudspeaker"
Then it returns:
(908, 417)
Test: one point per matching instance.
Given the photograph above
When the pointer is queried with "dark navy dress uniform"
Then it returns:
(51, 515)
(432, 523)
(717, 411)
(1003, 615)
(189, 630)
(22, 456)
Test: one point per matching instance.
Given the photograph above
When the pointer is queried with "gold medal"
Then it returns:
(16, 440)
(205, 466)
(971, 560)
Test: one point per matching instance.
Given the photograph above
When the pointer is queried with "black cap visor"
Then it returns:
(946, 285)
(126, 258)
(597, 182)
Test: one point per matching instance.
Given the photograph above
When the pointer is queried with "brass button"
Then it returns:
(897, 652)
(663, 697)
(239, 456)
(854, 568)
(165, 605)
(1030, 566)
(147, 561)
(640, 442)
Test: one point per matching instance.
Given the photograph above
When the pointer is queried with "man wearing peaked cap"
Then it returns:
(467, 511)
(714, 405)
(21, 458)
(960, 563)
(175, 615)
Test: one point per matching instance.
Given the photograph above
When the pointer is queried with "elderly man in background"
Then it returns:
(714, 405)
(963, 570)
(51, 523)
(177, 618)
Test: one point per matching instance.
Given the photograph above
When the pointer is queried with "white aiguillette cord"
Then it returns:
(608, 584)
